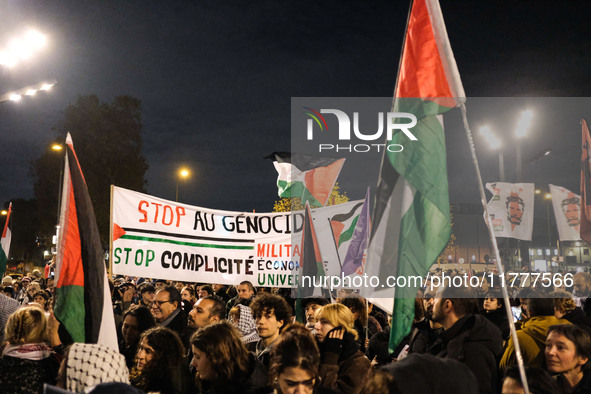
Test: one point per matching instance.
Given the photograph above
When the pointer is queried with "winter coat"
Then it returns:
(19, 375)
(427, 374)
(253, 382)
(346, 371)
(578, 317)
(499, 319)
(583, 387)
(475, 342)
(178, 324)
(532, 341)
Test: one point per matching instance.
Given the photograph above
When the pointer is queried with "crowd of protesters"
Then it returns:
(177, 337)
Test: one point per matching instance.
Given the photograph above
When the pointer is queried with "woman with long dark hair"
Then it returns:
(160, 363)
(295, 363)
(136, 320)
(222, 362)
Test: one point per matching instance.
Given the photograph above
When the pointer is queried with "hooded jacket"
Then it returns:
(476, 342)
(532, 341)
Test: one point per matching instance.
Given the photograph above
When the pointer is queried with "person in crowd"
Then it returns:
(221, 291)
(222, 363)
(22, 291)
(566, 308)
(271, 314)
(32, 288)
(532, 335)
(467, 337)
(343, 367)
(166, 310)
(147, 294)
(188, 299)
(7, 307)
(27, 361)
(425, 331)
(123, 298)
(241, 317)
(538, 381)
(365, 326)
(424, 374)
(245, 292)
(86, 365)
(567, 353)
(7, 281)
(493, 308)
(310, 305)
(205, 291)
(582, 291)
(295, 363)
(8, 291)
(43, 299)
(50, 284)
(136, 320)
(160, 283)
(160, 362)
(206, 311)
(179, 286)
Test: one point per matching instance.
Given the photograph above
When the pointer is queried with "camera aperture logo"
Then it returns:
(395, 122)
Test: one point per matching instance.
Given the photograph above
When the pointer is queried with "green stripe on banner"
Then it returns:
(170, 241)
(69, 306)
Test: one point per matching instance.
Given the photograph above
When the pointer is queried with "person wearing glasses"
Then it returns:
(167, 312)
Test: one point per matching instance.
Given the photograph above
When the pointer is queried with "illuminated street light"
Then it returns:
(27, 91)
(183, 174)
(494, 144)
(523, 125)
(21, 48)
(57, 147)
(4, 212)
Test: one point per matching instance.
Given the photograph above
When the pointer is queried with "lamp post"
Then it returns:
(183, 174)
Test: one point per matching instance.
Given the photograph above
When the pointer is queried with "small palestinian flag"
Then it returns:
(307, 177)
(83, 301)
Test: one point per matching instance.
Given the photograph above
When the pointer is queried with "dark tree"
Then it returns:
(108, 142)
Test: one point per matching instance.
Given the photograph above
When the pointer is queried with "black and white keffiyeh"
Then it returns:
(91, 364)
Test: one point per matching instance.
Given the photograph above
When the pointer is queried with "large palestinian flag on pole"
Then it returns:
(5, 243)
(306, 177)
(411, 220)
(83, 302)
(585, 226)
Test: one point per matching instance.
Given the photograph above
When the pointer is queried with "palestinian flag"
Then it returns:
(83, 301)
(354, 259)
(585, 225)
(306, 177)
(411, 219)
(343, 226)
(311, 259)
(5, 243)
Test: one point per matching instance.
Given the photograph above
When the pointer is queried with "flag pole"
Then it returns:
(493, 241)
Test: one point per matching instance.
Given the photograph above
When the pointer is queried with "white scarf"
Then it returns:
(30, 351)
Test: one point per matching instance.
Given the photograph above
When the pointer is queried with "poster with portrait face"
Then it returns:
(566, 206)
(512, 209)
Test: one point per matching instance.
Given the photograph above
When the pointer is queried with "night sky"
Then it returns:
(216, 79)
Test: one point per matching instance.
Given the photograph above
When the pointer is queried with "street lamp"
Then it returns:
(183, 174)
(494, 144)
(21, 48)
(31, 90)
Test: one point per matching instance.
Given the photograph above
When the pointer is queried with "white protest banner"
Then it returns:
(512, 209)
(158, 238)
(566, 206)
